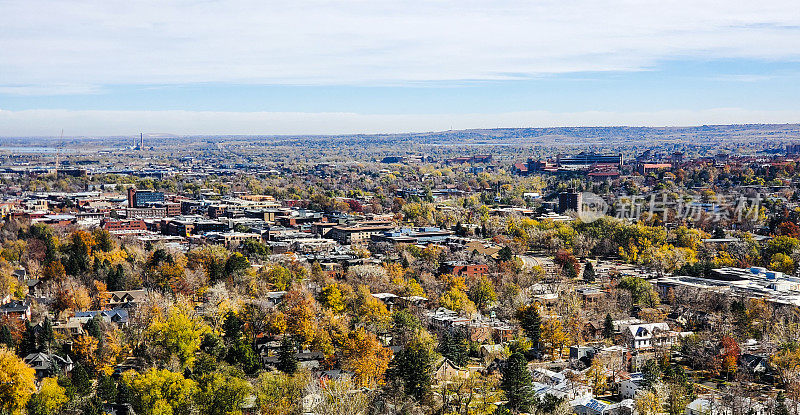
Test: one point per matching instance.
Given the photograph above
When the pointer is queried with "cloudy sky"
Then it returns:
(287, 67)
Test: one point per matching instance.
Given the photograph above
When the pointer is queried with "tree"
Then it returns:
(517, 384)
(483, 294)
(454, 346)
(106, 388)
(287, 361)
(648, 404)
(179, 334)
(412, 366)
(27, 344)
(597, 374)
(568, 263)
(17, 383)
(278, 393)
(505, 254)
(531, 323)
(222, 394)
(730, 355)
(46, 334)
(553, 336)
(49, 400)
(331, 297)
(81, 380)
(588, 272)
(6, 339)
(608, 327)
(236, 263)
(161, 392)
(363, 354)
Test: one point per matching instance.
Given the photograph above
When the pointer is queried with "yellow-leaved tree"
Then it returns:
(49, 400)
(16, 383)
(179, 334)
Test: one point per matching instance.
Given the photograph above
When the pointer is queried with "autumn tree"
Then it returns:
(161, 392)
(178, 334)
(49, 400)
(16, 383)
(483, 294)
(222, 394)
(363, 354)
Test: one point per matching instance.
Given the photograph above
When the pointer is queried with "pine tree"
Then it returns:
(287, 361)
(608, 327)
(588, 272)
(81, 380)
(531, 322)
(454, 347)
(46, 335)
(517, 384)
(412, 366)
(6, 339)
(28, 343)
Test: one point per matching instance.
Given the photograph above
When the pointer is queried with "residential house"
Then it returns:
(48, 365)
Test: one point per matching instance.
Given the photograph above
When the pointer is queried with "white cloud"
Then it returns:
(104, 123)
(96, 42)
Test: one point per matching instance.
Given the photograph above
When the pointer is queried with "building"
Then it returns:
(633, 385)
(48, 365)
(464, 269)
(16, 309)
(124, 226)
(649, 335)
(143, 198)
(586, 160)
(358, 234)
(570, 201)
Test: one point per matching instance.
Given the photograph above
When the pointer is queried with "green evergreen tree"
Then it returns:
(81, 380)
(454, 346)
(505, 254)
(93, 327)
(28, 343)
(412, 366)
(46, 335)
(106, 388)
(287, 361)
(608, 327)
(517, 384)
(588, 272)
(531, 323)
(6, 339)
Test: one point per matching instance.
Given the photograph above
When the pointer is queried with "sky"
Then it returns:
(375, 66)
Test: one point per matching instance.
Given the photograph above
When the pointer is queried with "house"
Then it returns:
(118, 409)
(633, 385)
(582, 353)
(463, 269)
(48, 365)
(445, 371)
(126, 299)
(118, 316)
(649, 335)
(587, 405)
(491, 349)
(71, 327)
(755, 364)
(19, 309)
(547, 382)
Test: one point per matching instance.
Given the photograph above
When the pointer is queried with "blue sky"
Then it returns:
(191, 67)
